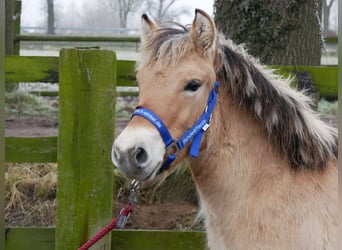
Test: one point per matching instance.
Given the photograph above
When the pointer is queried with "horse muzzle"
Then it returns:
(138, 152)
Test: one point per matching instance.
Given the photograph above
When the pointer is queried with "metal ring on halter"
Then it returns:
(172, 149)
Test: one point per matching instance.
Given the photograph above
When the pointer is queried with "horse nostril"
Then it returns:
(139, 155)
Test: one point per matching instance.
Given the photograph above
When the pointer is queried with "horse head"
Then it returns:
(176, 80)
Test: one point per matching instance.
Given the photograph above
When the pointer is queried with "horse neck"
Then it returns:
(240, 178)
(235, 154)
(237, 159)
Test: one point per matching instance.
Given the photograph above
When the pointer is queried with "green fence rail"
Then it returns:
(45, 69)
(44, 239)
(59, 38)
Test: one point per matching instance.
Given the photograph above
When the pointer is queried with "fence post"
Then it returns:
(86, 133)
(2, 124)
(16, 26)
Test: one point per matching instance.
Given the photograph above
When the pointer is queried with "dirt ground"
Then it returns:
(30, 128)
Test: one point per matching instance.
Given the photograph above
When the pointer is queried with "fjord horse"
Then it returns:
(264, 164)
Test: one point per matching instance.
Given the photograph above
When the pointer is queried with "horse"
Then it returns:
(264, 164)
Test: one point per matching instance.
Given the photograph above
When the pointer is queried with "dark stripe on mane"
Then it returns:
(303, 149)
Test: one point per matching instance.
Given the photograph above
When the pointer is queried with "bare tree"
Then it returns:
(158, 9)
(162, 10)
(326, 8)
(125, 7)
(70, 17)
(50, 17)
(87, 17)
(98, 15)
(122, 7)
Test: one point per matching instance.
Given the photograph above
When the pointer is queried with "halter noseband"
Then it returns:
(195, 132)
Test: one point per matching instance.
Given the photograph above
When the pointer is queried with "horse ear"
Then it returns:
(203, 30)
(148, 27)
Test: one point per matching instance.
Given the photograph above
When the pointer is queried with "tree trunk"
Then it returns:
(123, 12)
(277, 32)
(50, 17)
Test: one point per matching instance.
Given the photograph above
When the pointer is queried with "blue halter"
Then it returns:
(195, 132)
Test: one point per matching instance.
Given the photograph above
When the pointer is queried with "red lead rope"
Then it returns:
(113, 224)
(118, 222)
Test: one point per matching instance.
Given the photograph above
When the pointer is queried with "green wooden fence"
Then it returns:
(88, 80)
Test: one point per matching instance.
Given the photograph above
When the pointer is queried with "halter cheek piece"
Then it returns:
(195, 132)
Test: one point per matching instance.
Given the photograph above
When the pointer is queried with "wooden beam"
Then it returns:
(86, 133)
(43, 239)
(45, 69)
(31, 149)
(8, 33)
(324, 77)
(31, 69)
(57, 38)
(126, 73)
(38, 238)
(16, 26)
(2, 123)
(156, 240)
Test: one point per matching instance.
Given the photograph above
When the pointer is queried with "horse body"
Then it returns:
(267, 168)
(260, 203)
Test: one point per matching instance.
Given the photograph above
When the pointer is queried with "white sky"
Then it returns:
(33, 11)
(206, 5)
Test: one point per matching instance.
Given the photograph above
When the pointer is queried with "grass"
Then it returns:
(122, 110)
(30, 194)
(328, 108)
(20, 104)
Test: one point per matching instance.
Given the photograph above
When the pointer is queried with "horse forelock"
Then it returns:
(165, 47)
(292, 127)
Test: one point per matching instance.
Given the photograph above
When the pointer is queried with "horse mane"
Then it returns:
(291, 125)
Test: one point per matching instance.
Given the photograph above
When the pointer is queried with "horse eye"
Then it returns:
(193, 86)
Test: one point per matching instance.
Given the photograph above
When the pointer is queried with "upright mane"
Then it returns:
(292, 127)
(167, 47)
